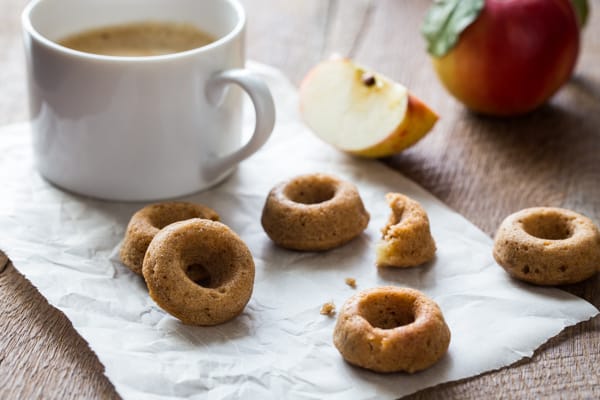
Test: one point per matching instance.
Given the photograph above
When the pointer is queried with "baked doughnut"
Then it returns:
(548, 246)
(215, 247)
(391, 329)
(314, 212)
(406, 238)
(146, 223)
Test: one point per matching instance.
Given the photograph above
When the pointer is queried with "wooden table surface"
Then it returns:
(484, 168)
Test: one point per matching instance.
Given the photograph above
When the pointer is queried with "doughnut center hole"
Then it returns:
(199, 275)
(388, 312)
(208, 264)
(548, 226)
(310, 192)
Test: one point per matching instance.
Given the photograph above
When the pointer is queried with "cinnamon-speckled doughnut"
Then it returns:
(146, 223)
(548, 246)
(314, 212)
(406, 238)
(391, 329)
(219, 251)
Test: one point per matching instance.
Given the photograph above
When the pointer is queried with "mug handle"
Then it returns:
(263, 106)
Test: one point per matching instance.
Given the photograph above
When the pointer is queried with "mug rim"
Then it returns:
(35, 34)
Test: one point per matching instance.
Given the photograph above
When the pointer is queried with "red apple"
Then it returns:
(512, 58)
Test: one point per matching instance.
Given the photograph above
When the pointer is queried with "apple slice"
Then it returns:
(362, 112)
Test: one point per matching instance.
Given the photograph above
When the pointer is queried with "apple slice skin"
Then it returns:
(419, 120)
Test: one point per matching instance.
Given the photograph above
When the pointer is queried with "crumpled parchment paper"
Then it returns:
(280, 347)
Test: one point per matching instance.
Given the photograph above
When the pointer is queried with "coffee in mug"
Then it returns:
(139, 39)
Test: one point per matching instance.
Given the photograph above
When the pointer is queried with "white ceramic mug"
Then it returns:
(140, 128)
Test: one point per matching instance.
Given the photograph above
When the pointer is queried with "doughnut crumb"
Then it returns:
(351, 282)
(328, 309)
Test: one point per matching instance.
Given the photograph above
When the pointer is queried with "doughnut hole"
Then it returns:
(549, 226)
(310, 191)
(386, 311)
(198, 274)
(209, 268)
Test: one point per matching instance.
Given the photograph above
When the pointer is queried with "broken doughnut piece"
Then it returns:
(406, 238)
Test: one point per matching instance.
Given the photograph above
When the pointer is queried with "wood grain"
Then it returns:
(485, 168)
(41, 355)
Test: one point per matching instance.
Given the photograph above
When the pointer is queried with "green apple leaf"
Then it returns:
(582, 10)
(446, 20)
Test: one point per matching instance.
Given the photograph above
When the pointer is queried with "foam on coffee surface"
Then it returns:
(139, 39)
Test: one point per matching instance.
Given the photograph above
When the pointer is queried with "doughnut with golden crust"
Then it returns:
(548, 246)
(146, 223)
(219, 251)
(314, 212)
(391, 329)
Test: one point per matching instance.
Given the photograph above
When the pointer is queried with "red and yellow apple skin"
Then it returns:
(419, 120)
(513, 57)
